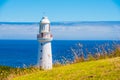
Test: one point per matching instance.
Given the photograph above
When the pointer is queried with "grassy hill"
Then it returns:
(105, 69)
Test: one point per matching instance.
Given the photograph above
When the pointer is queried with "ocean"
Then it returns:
(17, 53)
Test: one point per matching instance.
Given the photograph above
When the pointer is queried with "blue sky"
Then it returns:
(59, 10)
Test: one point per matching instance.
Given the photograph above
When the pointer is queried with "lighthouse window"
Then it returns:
(49, 27)
(41, 44)
(44, 27)
(40, 29)
(41, 34)
(40, 50)
(40, 58)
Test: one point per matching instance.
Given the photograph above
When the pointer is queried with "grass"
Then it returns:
(104, 69)
(4, 71)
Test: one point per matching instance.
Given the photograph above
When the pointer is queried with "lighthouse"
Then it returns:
(44, 38)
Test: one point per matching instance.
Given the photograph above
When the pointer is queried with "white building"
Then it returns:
(44, 51)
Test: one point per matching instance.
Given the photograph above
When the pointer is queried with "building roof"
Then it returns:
(44, 20)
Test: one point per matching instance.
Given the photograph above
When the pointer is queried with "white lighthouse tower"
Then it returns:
(44, 51)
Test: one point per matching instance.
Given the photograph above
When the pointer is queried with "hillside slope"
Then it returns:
(106, 69)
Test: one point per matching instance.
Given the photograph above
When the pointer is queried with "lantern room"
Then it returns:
(44, 25)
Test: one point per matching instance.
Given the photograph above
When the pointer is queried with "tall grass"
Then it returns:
(6, 73)
(102, 52)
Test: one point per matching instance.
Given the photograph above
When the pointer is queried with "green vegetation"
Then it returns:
(7, 73)
(4, 71)
(104, 69)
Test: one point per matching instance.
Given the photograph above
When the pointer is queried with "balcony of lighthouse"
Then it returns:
(44, 37)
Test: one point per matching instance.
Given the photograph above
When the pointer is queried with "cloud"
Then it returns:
(78, 32)
(18, 31)
(86, 32)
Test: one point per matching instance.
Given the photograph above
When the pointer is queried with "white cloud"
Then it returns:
(86, 32)
(61, 32)
(18, 31)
